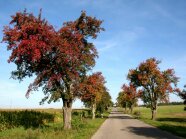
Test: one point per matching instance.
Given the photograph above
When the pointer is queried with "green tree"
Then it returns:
(182, 94)
(105, 102)
(122, 100)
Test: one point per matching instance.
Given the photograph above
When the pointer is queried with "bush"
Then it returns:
(137, 114)
(76, 113)
(77, 123)
(84, 113)
(27, 119)
(126, 111)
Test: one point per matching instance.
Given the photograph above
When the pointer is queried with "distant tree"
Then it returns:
(131, 95)
(155, 84)
(59, 59)
(105, 102)
(92, 90)
(122, 100)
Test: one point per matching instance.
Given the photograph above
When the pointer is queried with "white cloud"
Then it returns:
(121, 39)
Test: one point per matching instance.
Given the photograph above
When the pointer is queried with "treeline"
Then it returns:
(170, 103)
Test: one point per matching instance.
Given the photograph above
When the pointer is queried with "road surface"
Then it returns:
(122, 126)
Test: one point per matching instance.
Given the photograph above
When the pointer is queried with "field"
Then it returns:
(170, 118)
(46, 124)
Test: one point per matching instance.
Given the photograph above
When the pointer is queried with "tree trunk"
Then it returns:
(93, 110)
(125, 107)
(67, 111)
(131, 109)
(154, 111)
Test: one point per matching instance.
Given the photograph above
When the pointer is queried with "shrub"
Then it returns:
(27, 119)
(76, 113)
(77, 123)
(137, 114)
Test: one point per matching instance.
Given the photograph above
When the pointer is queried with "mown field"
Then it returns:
(46, 124)
(170, 118)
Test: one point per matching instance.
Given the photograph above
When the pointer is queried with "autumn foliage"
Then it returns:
(130, 95)
(92, 90)
(59, 59)
(155, 84)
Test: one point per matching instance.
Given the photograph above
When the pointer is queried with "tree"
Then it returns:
(155, 84)
(105, 102)
(131, 95)
(122, 100)
(58, 59)
(92, 90)
(183, 96)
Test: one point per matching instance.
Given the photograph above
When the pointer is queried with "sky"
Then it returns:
(135, 30)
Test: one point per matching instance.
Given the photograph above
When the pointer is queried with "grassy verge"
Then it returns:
(82, 129)
(170, 118)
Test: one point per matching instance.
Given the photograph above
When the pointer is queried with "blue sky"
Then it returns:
(135, 30)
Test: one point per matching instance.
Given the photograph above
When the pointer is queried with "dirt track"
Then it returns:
(122, 126)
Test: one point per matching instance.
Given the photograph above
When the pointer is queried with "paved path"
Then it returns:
(122, 126)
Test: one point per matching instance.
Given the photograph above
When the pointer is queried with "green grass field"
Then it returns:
(82, 128)
(170, 118)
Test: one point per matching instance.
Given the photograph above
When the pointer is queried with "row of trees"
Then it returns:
(58, 59)
(150, 84)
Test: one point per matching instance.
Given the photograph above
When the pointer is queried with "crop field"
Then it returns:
(46, 124)
(171, 118)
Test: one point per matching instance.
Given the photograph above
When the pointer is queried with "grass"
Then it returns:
(170, 118)
(82, 129)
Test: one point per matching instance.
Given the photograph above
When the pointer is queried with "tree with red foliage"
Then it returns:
(131, 95)
(92, 90)
(156, 84)
(59, 59)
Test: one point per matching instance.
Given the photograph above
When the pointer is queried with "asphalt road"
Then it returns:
(122, 126)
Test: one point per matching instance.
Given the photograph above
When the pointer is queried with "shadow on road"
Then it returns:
(149, 132)
(116, 112)
(118, 115)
